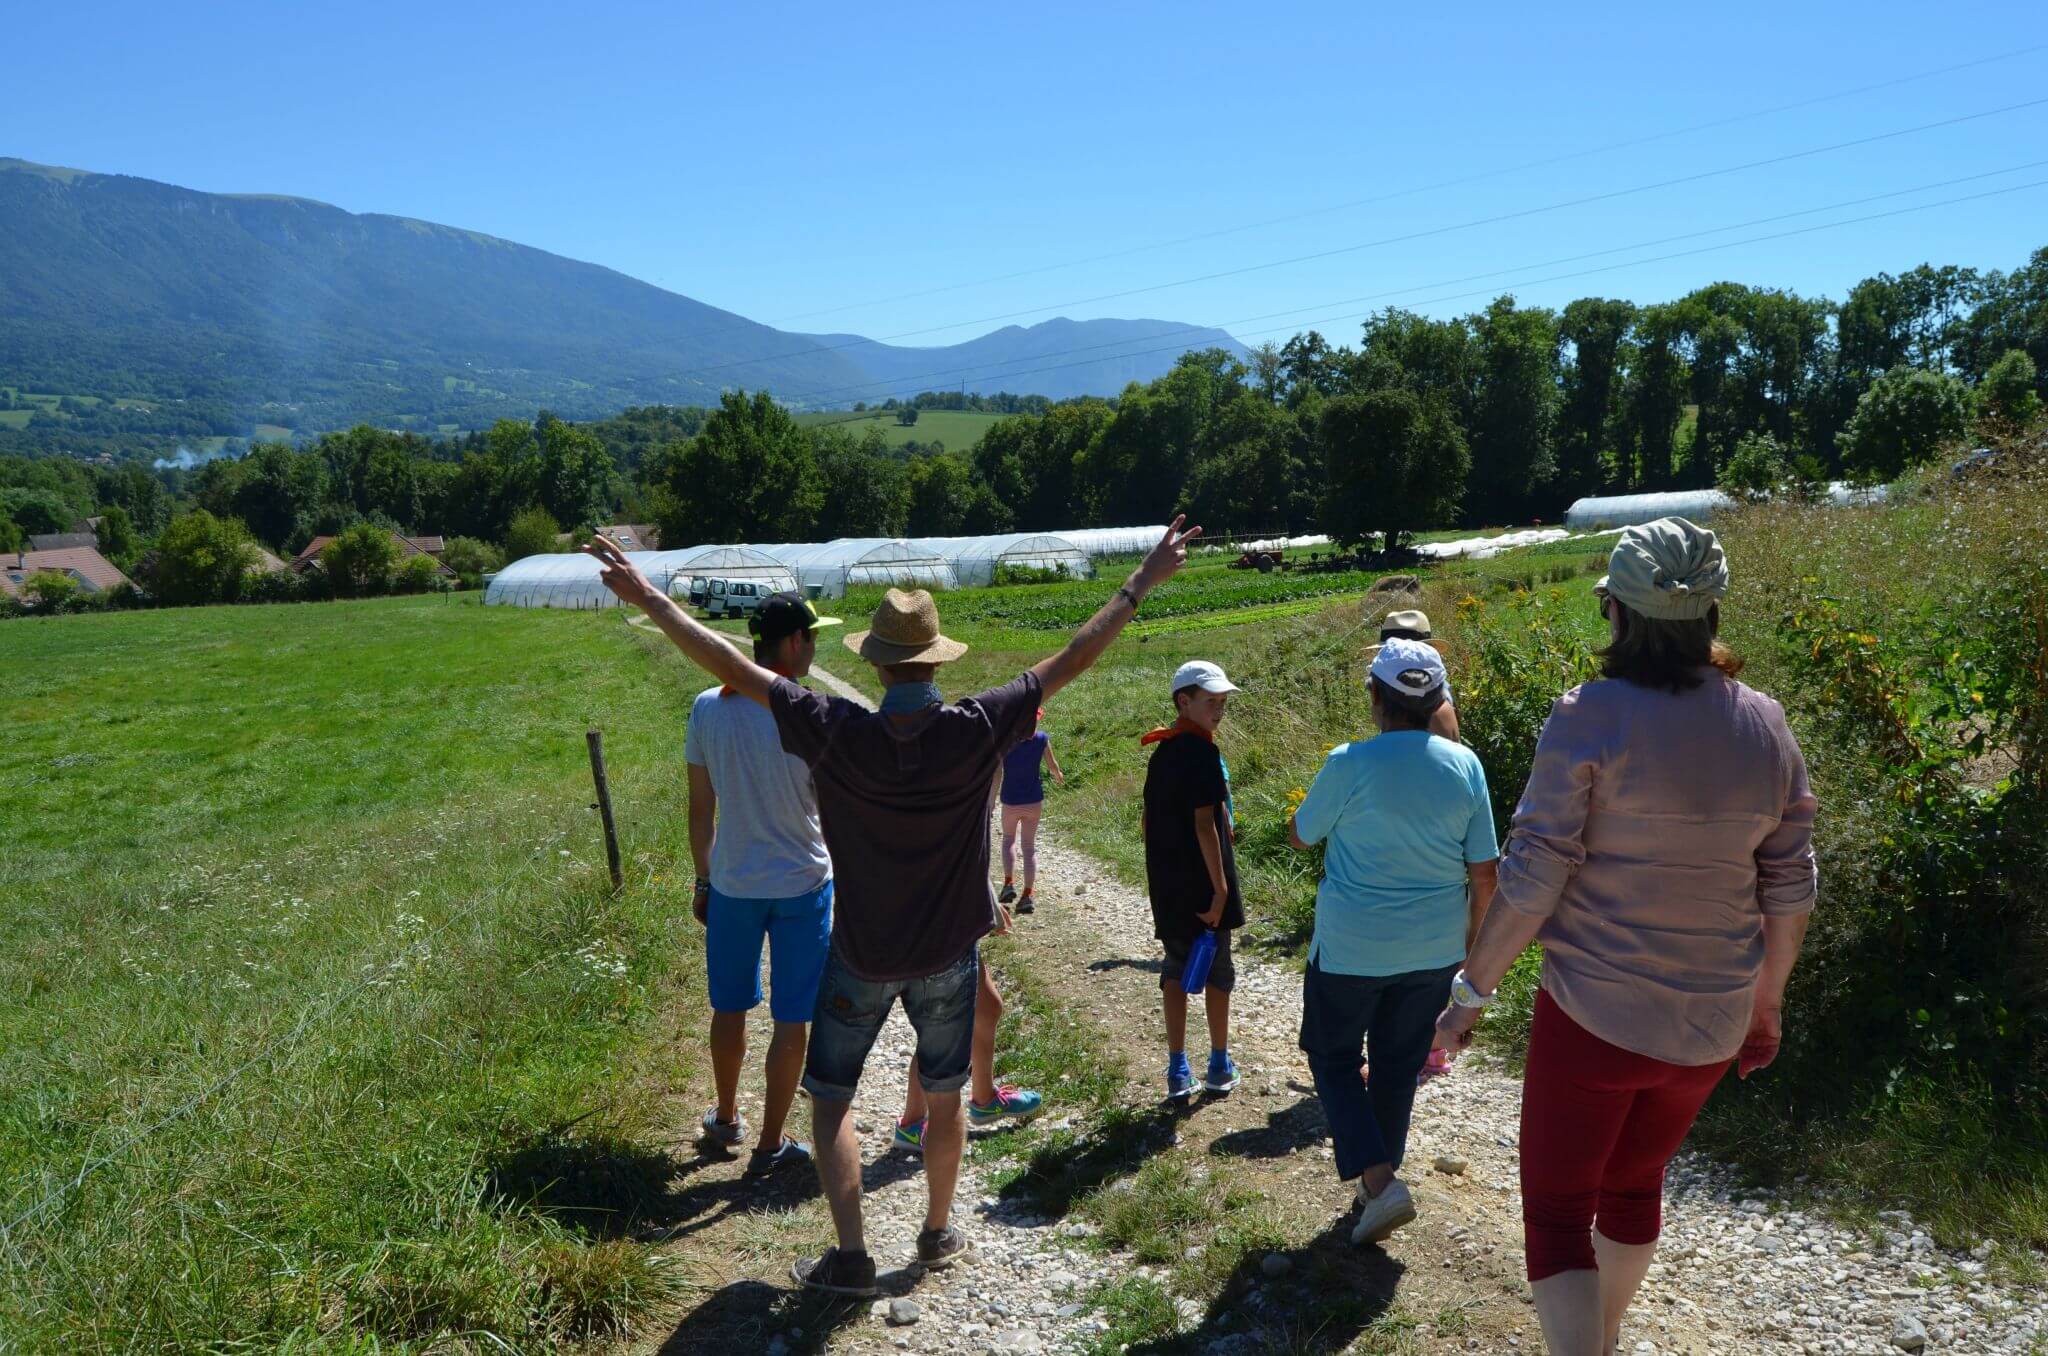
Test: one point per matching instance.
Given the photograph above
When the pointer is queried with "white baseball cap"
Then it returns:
(1204, 675)
(1410, 666)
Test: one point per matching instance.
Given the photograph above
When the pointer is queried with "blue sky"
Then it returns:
(809, 165)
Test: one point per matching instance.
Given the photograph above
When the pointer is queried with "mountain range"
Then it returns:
(240, 311)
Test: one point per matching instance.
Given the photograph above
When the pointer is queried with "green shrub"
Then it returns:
(203, 559)
(1903, 420)
(2005, 402)
(471, 559)
(419, 574)
(532, 532)
(360, 561)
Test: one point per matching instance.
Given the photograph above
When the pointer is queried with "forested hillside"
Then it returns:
(216, 315)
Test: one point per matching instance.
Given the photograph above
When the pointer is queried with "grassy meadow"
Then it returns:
(957, 429)
(317, 995)
(312, 960)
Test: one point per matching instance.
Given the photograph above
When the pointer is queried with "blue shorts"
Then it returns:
(851, 1011)
(798, 932)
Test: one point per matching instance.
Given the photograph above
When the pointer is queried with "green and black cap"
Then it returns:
(785, 614)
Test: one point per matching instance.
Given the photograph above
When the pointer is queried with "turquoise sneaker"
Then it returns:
(1223, 1074)
(1020, 1103)
(909, 1136)
(1180, 1079)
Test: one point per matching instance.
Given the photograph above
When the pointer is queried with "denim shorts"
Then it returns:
(798, 932)
(851, 1011)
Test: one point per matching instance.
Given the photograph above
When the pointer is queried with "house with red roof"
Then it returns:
(92, 571)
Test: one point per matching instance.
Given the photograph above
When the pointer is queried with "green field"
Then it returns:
(957, 429)
(312, 957)
(316, 990)
(16, 418)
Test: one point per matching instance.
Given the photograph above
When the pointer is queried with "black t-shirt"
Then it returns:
(904, 807)
(1185, 774)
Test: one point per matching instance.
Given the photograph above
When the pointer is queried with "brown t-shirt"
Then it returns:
(904, 806)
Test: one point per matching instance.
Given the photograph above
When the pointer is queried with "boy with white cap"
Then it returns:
(1191, 869)
(1407, 877)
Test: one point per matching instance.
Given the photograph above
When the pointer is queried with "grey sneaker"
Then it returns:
(789, 1153)
(1006, 894)
(727, 1133)
(1379, 1216)
(837, 1273)
(940, 1248)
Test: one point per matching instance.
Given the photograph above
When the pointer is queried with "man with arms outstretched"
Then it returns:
(902, 796)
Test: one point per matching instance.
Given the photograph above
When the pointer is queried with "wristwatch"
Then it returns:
(1465, 996)
(703, 887)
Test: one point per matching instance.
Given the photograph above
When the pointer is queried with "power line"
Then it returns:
(1496, 219)
(991, 375)
(1458, 182)
(1558, 277)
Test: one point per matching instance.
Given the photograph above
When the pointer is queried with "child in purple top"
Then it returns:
(1023, 797)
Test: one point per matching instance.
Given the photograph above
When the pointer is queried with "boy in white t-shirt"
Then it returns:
(763, 875)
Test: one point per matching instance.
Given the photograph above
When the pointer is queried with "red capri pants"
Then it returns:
(1599, 1124)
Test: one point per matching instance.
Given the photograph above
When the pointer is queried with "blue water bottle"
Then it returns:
(1194, 976)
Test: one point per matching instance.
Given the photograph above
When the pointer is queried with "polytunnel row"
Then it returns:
(822, 569)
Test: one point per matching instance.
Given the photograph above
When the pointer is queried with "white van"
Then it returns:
(728, 597)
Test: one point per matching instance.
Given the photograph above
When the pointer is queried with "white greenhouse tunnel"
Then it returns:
(570, 580)
(975, 559)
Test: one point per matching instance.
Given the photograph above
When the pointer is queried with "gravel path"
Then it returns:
(1739, 1271)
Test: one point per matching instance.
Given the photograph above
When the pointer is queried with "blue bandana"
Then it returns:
(902, 699)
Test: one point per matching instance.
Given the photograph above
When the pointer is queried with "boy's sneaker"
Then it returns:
(1379, 1216)
(727, 1133)
(1006, 894)
(1024, 904)
(1223, 1075)
(909, 1135)
(1022, 1103)
(1180, 1079)
(787, 1154)
(837, 1273)
(940, 1248)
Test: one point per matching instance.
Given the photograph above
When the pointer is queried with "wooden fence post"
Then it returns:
(595, 739)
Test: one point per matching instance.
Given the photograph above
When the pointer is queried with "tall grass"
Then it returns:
(310, 937)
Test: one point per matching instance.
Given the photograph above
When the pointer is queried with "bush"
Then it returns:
(203, 559)
(1903, 420)
(1028, 574)
(52, 592)
(360, 561)
(2004, 402)
(1758, 468)
(419, 574)
(282, 586)
(532, 532)
(471, 559)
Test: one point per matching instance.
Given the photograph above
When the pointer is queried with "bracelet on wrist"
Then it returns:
(700, 886)
(1124, 592)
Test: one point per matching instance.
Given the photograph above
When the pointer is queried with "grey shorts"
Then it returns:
(851, 1011)
(1222, 971)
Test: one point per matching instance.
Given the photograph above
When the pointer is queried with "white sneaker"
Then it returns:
(722, 1132)
(1379, 1216)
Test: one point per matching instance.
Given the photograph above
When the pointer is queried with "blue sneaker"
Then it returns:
(1222, 1072)
(1180, 1079)
(1022, 1103)
(909, 1135)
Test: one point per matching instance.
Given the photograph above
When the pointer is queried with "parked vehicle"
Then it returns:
(728, 597)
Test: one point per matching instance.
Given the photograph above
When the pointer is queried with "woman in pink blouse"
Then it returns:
(1662, 854)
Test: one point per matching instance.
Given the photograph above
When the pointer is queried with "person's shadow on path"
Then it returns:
(1289, 1129)
(1329, 1293)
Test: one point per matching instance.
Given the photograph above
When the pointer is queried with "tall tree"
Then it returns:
(575, 475)
(1513, 411)
(866, 492)
(750, 475)
(1592, 336)
(1653, 400)
(1395, 463)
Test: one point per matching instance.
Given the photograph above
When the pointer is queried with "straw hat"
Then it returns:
(905, 630)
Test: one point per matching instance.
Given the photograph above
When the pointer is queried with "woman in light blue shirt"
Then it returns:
(1408, 871)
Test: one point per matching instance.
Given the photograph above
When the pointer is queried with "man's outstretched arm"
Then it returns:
(705, 647)
(1159, 565)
